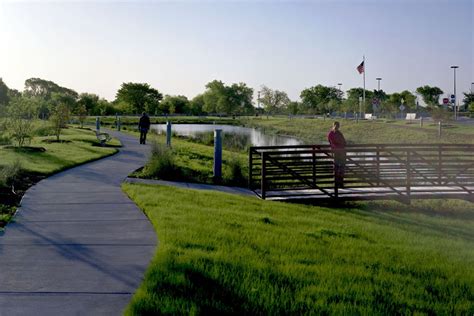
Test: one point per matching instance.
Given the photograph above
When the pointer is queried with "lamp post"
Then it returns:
(455, 97)
(378, 83)
(339, 84)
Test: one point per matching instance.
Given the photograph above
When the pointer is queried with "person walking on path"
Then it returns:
(338, 145)
(143, 127)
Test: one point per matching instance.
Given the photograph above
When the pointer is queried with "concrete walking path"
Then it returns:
(78, 245)
(195, 186)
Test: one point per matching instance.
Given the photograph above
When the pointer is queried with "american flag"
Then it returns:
(360, 68)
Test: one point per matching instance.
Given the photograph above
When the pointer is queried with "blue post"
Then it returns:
(217, 154)
(119, 124)
(97, 123)
(168, 134)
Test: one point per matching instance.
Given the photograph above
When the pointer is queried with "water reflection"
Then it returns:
(255, 137)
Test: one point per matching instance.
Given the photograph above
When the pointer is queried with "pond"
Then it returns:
(254, 136)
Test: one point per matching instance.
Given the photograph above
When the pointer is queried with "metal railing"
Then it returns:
(402, 171)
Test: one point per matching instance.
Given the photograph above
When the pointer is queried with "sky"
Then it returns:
(179, 46)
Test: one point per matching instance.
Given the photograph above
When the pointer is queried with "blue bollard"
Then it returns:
(168, 134)
(97, 123)
(217, 154)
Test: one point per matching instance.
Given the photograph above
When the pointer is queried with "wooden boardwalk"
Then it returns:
(372, 171)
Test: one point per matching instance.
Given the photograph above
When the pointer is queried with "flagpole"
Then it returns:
(363, 94)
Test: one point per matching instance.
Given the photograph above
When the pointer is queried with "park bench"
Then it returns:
(411, 116)
(102, 137)
(369, 116)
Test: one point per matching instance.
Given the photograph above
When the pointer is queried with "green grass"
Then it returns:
(42, 158)
(196, 160)
(133, 120)
(225, 254)
(80, 146)
(315, 130)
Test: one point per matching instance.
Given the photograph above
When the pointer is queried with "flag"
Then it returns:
(360, 68)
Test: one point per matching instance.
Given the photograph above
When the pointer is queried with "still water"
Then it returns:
(255, 136)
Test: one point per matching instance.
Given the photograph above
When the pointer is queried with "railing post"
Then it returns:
(264, 173)
(314, 166)
(408, 183)
(378, 165)
(250, 167)
(439, 129)
(439, 164)
(336, 191)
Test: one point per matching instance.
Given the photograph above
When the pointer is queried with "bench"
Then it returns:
(411, 116)
(102, 137)
(369, 116)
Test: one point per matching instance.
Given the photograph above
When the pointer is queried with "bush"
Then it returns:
(161, 163)
(10, 174)
(234, 173)
(21, 114)
(440, 114)
(44, 130)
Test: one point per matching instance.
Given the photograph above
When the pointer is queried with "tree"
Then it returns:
(409, 100)
(468, 99)
(59, 118)
(274, 101)
(293, 107)
(317, 98)
(430, 94)
(82, 114)
(196, 105)
(355, 93)
(4, 93)
(90, 102)
(174, 104)
(140, 96)
(21, 114)
(233, 99)
(38, 87)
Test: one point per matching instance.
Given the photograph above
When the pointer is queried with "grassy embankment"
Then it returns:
(315, 130)
(194, 162)
(128, 121)
(224, 254)
(44, 157)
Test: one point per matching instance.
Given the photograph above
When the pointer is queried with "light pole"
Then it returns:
(378, 83)
(455, 97)
(339, 84)
(472, 87)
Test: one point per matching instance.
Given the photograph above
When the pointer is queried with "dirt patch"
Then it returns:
(51, 141)
(10, 196)
(26, 149)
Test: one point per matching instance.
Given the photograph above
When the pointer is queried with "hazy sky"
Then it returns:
(178, 47)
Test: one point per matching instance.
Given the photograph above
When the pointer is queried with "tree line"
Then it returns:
(46, 99)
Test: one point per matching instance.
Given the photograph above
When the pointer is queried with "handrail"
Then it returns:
(402, 169)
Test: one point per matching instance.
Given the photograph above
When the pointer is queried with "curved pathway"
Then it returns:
(78, 245)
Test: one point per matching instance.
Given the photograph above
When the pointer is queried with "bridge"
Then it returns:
(372, 171)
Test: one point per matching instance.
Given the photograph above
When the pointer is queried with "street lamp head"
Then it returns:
(454, 67)
(378, 78)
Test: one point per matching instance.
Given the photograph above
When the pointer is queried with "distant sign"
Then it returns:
(402, 107)
(445, 100)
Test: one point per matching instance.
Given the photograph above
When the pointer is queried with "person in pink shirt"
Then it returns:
(338, 145)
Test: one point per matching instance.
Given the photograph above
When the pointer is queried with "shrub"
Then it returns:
(161, 163)
(10, 174)
(440, 114)
(44, 130)
(59, 118)
(21, 114)
(234, 173)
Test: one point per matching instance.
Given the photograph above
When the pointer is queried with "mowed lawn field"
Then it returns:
(226, 254)
(314, 131)
(44, 157)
